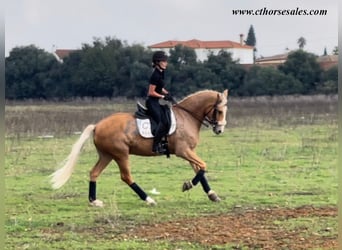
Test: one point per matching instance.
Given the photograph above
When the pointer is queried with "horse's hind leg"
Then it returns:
(95, 172)
(126, 176)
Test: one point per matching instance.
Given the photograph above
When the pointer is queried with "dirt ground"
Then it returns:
(254, 229)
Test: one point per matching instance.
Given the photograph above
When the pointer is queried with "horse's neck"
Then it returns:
(198, 104)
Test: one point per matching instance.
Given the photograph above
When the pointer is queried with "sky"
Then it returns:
(68, 24)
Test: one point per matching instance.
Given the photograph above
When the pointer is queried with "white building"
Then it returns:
(240, 52)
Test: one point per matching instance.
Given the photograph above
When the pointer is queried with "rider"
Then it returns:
(157, 91)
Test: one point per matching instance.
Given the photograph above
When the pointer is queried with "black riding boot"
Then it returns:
(157, 146)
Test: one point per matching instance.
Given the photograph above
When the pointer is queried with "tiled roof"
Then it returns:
(328, 58)
(62, 53)
(196, 44)
(326, 62)
(273, 58)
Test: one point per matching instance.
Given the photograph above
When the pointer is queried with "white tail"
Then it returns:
(62, 175)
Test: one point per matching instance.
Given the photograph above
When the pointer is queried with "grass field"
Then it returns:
(277, 154)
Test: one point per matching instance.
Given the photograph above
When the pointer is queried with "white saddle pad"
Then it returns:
(144, 126)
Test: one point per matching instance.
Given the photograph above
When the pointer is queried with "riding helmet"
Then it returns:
(159, 56)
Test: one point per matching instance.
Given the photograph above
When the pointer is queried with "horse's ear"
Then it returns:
(225, 92)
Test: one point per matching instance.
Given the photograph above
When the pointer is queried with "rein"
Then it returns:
(213, 122)
(191, 113)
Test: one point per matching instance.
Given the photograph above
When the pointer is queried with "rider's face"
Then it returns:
(163, 64)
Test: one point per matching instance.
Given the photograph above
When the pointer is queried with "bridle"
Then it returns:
(211, 121)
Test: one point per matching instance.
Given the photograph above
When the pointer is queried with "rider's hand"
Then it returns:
(168, 97)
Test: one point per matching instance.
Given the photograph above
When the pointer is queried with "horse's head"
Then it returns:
(217, 114)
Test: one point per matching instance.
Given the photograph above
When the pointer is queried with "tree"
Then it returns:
(109, 68)
(182, 70)
(137, 67)
(28, 73)
(301, 42)
(218, 63)
(335, 51)
(181, 55)
(93, 76)
(268, 81)
(228, 73)
(329, 83)
(251, 40)
(325, 53)
(304, 67)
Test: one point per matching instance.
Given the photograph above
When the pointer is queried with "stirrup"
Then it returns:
(159, 149)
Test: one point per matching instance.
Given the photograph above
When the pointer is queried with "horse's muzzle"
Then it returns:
(218, 129)
(217, 132)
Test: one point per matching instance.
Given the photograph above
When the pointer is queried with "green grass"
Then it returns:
(251, 166)
(319, 225)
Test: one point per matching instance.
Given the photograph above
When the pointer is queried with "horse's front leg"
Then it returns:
(199, 167)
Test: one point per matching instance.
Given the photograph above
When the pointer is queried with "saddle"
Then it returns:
(147, 126)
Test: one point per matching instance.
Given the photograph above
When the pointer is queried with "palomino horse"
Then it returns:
(116, 137)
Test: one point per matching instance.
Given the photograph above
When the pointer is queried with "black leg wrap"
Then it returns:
(205, 184)
(198, 177)
(92, 191)
(139, 191)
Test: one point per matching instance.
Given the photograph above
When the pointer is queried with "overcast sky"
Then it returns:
(67, 24)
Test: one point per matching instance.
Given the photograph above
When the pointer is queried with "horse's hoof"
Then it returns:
(187, 186)
(150, 201)
(96, 203)
(213, 196)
